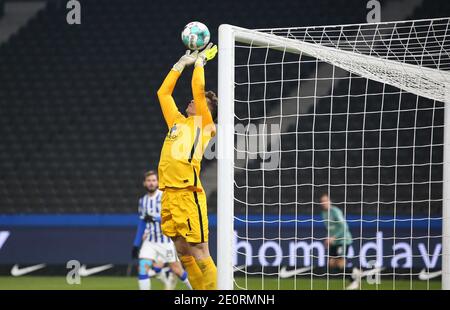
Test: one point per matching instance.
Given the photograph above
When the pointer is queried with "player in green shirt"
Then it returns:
(339, 237)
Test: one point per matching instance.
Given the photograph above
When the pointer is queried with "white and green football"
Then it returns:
(195, 35)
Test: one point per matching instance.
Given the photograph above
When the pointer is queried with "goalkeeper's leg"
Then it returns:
(194, 273)
(200, 251)
(197, 238)
(187, 225)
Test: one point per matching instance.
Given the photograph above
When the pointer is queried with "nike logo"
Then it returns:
(424, 275)
(284, 273)
(85, 272)
(17, 272)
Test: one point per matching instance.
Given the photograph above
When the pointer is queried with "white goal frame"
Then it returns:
(228, 35)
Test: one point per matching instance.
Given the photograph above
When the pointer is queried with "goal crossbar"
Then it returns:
(435, 84)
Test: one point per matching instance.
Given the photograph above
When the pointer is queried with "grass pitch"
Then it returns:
(130, 283)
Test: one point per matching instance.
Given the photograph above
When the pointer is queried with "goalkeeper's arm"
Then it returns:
(168, 106)
(198, 84)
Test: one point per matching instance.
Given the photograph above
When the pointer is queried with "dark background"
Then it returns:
(79, 117)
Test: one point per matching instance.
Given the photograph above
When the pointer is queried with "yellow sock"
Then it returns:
(209, 271)
(195, 275)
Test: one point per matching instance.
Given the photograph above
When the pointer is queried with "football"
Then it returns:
(195, 35)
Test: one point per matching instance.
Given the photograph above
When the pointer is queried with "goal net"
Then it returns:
(352, 115)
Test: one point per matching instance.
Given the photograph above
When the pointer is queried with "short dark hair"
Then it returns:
(150, 173)
(212, 103)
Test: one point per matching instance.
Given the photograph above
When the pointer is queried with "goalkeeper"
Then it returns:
(184, 210)
(339, 237)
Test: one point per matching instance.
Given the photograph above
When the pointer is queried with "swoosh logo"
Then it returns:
(17, 272)
(424, 275)
(284, 273)
(85, 272)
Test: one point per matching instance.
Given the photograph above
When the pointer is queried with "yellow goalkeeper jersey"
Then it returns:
(187, 138)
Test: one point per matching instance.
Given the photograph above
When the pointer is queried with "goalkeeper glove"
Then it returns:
(185, 60)
(207, 54)
(135, 252)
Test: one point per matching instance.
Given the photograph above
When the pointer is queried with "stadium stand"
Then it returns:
(80, 122)
(79, 117)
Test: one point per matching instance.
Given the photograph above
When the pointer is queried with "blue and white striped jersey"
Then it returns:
(152, 206)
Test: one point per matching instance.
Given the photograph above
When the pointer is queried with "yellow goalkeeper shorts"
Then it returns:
(184, 213)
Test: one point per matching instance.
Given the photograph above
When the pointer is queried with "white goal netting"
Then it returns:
(355, 112)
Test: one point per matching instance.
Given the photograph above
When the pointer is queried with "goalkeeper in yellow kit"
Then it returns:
(184, 211)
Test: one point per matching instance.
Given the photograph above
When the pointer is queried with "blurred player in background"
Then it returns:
(184, 210)
(338, 238)
(153, 249)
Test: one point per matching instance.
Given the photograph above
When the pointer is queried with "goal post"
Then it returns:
(225, 151)
(446, 200)
(393, 61)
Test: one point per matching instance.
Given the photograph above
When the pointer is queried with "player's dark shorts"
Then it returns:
(338, 251)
